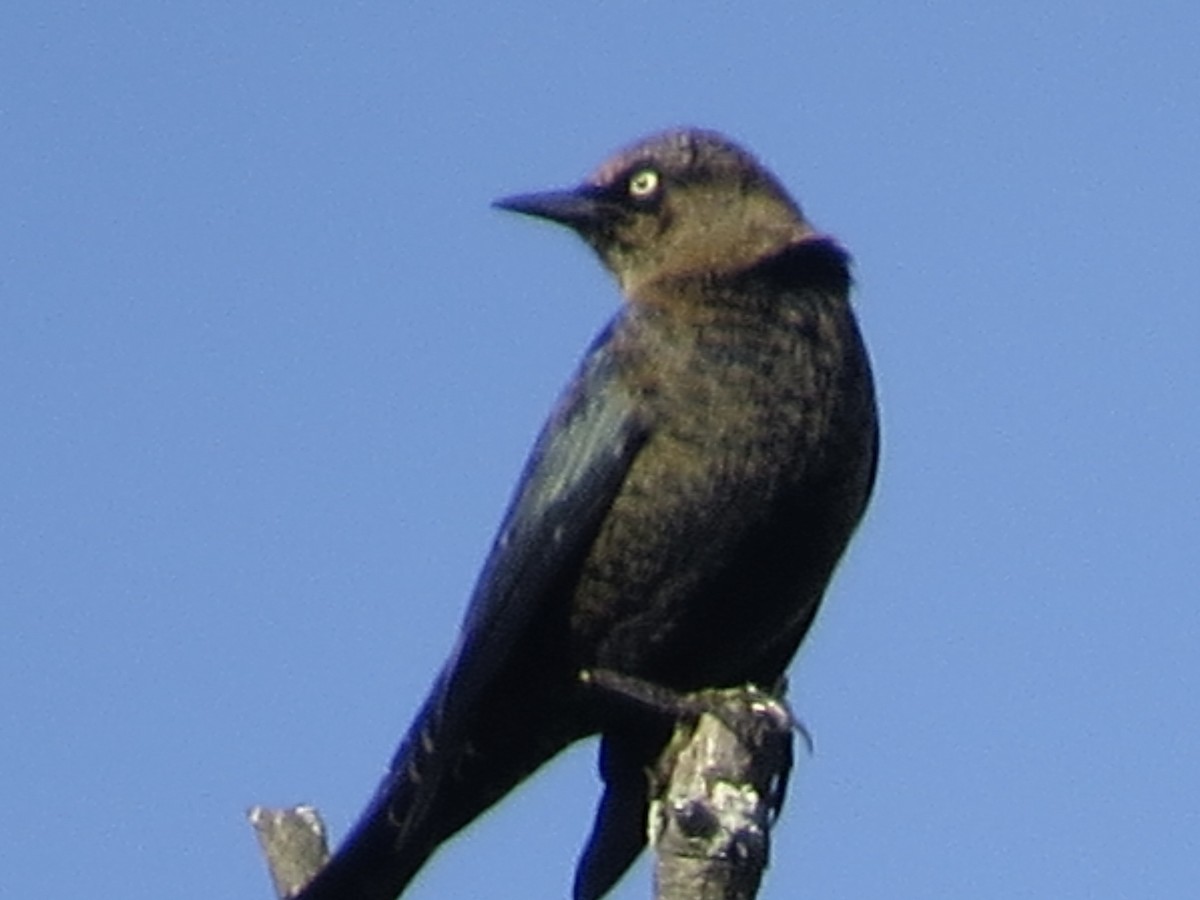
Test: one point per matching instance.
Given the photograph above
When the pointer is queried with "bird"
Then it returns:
(678, 519)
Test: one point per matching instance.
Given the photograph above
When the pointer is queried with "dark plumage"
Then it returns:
(678, 519)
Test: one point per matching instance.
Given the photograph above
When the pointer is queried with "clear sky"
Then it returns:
(269, 367)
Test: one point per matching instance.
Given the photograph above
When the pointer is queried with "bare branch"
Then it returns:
(724, 777)
(718, 787)
(294, 843)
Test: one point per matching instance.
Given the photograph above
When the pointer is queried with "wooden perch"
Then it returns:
(717, 789)
(294, 843)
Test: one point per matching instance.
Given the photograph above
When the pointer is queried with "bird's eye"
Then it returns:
(643, 184)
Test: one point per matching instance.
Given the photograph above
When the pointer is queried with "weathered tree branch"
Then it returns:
(717, 789)
(294, 843)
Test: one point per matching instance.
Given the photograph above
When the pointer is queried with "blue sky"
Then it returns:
(269, 366)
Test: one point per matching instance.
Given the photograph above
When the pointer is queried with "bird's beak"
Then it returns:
(582, 209)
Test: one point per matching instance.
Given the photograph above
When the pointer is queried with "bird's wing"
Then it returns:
(576, 468)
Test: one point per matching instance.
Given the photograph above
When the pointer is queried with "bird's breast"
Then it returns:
(730, 518)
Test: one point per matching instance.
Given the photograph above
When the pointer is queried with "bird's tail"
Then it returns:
(440, 779)
(392, 839)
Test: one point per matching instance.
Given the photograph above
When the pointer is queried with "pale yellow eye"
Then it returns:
(643, 184)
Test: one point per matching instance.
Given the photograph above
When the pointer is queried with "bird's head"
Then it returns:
(682, 203)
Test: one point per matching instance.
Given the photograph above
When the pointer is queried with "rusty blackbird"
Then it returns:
(678, 519)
